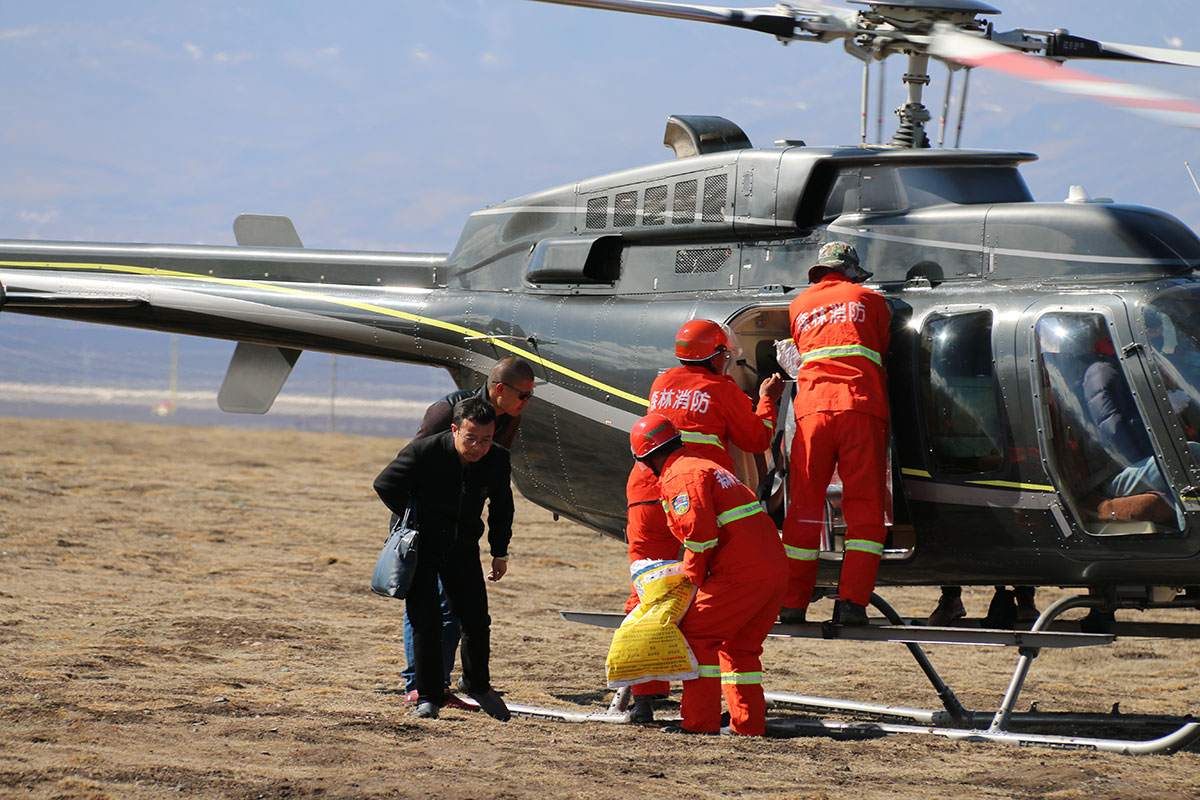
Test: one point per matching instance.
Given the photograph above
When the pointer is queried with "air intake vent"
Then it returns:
(625, 210)
(688, 262)
(684, 212)
(654, 210)
(597, 212)
(715, 189)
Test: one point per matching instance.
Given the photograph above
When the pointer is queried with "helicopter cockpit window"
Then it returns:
(871, 190)
(865, 190)
(1172, 325)
(959, 394)
(932, 186)
(1100, 451)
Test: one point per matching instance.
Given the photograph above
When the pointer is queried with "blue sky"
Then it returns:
(382, 125)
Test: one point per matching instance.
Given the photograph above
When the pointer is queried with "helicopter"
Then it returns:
(998, 301)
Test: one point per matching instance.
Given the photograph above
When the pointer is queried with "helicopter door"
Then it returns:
(1097, 441)
(960, 395)
(764, 337)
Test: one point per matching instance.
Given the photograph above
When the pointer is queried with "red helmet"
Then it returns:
(650, 433)
(700, 340)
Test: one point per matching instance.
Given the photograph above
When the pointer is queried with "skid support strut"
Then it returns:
(1028, 654)
(960, 724)
(949, 700)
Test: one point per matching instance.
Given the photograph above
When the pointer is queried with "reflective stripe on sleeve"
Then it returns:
(800, 553)
(709, 671)
(741, 677)
(741, 512)
(700, 547)
(865, 545)
(702, 438)
(841, 351)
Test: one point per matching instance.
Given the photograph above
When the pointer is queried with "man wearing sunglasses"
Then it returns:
(509, 388)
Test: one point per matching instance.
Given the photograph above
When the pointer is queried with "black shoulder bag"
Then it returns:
(398, 560)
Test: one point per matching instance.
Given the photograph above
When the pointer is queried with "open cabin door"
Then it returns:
(759, 331)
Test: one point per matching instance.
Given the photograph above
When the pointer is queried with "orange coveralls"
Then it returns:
(733, 554)
(841, 331)
(710, 412)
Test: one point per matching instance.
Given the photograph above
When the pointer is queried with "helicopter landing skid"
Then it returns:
(955, 722)
(960, 724)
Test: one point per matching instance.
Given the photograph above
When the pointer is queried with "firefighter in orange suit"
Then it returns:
(732, 553)
(841, 331)
(711, 413)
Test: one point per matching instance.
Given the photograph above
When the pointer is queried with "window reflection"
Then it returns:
(882, 189)
(1173, 333)
(1103, 458)
(959, 394)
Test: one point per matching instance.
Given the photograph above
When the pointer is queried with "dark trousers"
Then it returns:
(462, 580)
(450, 636)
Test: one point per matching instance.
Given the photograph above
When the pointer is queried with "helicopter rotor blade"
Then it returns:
(1061, 45)
(811, 20)
(764, 20)
(974, 51)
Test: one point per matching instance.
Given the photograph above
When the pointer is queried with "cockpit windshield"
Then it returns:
(1172, 324)
(1100, 449)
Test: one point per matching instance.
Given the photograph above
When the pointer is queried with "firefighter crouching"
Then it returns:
(733, 554)
(710, 412)
(841, 331)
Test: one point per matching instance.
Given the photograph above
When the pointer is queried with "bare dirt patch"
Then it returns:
(184, 613)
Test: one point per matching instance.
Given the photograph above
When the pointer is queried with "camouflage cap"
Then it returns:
(840, 257)
(837, 254)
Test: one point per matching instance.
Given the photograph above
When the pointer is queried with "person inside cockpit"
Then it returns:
(1136, 491)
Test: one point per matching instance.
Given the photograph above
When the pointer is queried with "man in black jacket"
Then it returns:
(450, 475)
(509, 387)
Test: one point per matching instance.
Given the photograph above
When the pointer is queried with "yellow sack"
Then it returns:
(648, 646)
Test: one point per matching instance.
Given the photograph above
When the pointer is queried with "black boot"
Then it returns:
(792, 616)
(643, 709)
(1027, 611)
(850, 614)
(1002, 612)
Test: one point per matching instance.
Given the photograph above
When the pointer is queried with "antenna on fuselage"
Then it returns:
(1188, 167)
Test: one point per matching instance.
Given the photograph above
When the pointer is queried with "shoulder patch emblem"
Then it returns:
(680, 503)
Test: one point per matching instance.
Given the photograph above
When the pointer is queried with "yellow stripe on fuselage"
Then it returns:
(1031, 487)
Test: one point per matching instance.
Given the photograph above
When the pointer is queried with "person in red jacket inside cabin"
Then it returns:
(711, 413)
(732, 553)
(841, 331)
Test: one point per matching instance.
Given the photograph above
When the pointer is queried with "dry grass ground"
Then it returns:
(184, 613)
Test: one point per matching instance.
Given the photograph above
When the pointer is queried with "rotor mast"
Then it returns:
(913, 114)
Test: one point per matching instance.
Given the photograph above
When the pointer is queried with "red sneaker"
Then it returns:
(411, 697)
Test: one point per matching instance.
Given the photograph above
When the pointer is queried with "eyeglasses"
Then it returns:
(475, 441)
(522, 396)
